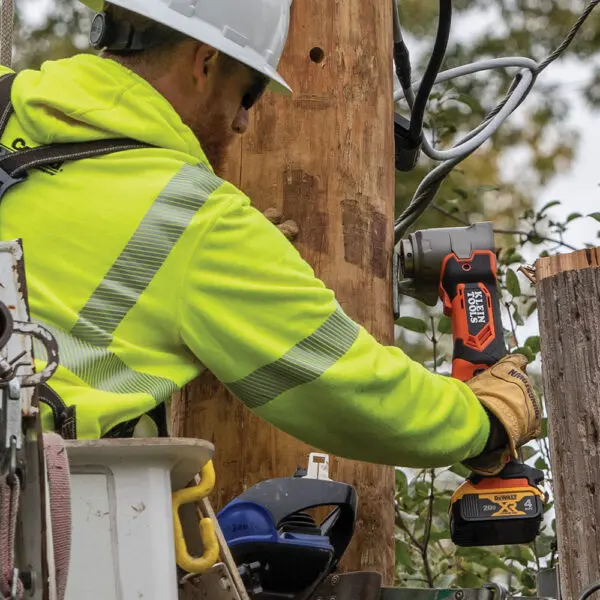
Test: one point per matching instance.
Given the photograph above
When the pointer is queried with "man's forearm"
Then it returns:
(377, 405)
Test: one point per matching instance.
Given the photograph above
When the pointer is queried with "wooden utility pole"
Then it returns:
(568, 291)
(325, 158)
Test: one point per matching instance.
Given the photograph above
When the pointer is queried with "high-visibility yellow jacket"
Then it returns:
(148, 268)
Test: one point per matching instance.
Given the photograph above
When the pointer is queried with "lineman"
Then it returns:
(148, 267)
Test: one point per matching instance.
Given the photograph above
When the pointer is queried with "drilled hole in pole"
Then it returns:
(317, 55)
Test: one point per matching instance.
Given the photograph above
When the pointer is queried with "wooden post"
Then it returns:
(568, 291)
(325, 157)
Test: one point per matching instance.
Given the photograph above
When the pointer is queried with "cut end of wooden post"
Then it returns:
(574, 261)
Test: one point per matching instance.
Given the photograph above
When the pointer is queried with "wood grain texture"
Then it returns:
(581, 259)
(325, 158)
(569, 312)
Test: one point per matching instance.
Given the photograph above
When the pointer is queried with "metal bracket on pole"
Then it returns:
(318, 466)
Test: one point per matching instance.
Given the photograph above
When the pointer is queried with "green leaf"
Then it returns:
(544, 433)
(469, 101)
(492, 561)
(533, 343)
(522, 554)
(440, 505)
(528, 452)
(512, 283)
(401, 482)
(527, 578)
(445, 324)
(422, 488)
(412, 324)
(532, 308)
(488, 188)
(403, 554)
(541, 464)
(468, 579)
(595, 215)
(544, 545)
(573, 216)
(547, 206)
(525, 351)
(536, 239)
(517, 317)
(512, 258)
(510, 250)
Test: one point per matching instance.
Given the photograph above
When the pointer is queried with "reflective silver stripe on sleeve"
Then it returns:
(304, 363)
(104, 370)
(145, 253)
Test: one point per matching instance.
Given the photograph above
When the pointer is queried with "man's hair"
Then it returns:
(157, 57)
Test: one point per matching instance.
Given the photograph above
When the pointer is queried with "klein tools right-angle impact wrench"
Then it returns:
(458, 265)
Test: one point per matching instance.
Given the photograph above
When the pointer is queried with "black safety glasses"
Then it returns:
(255, 90)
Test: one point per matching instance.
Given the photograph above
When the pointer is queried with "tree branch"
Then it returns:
(512, 323)
(400, 522)
(528, 237)
(537, 556)
(427, 533)
(524, 234)
(450, 215)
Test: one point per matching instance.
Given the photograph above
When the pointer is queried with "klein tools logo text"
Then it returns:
(476, 307)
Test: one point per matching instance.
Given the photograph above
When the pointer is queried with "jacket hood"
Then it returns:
(87, 98)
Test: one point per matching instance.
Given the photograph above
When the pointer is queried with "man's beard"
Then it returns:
(213, 131)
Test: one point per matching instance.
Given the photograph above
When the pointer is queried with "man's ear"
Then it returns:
(204, 62)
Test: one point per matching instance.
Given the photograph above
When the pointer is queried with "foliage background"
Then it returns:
(485, 187)
(541, 142)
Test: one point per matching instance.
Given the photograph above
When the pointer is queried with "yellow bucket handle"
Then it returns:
(207, 529)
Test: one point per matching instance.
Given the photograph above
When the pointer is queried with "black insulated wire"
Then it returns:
(403, 69)
(430, 185)
(401, 55)
(593, 588)
(433, 68)
(397, 28)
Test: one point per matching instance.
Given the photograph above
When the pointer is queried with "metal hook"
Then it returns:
(50, 344)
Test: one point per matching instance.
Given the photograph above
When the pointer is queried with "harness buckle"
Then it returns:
(6, 179)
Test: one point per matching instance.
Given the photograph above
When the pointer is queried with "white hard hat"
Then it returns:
(252, 32)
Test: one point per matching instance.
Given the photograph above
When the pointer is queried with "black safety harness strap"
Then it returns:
(14, 165)
(13, 170)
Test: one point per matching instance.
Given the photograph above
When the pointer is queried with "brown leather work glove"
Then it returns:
(515, 413)
(288, 228)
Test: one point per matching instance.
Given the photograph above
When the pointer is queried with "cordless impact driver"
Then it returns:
(458, 265)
